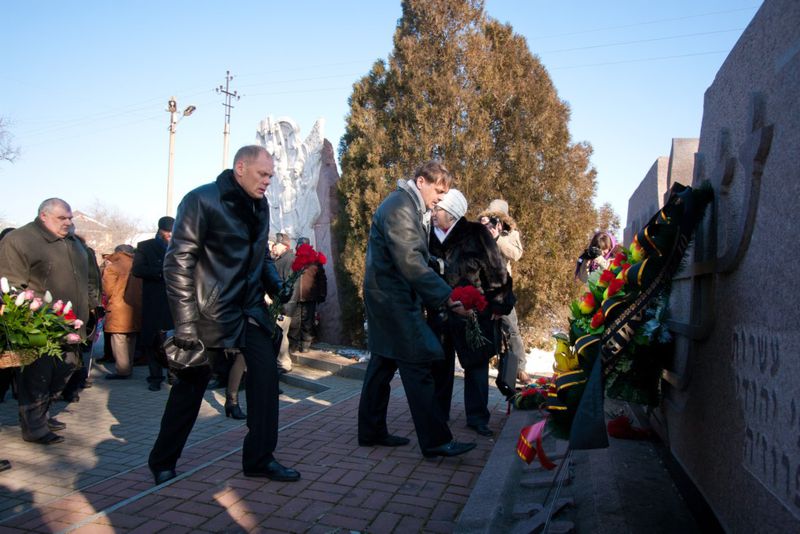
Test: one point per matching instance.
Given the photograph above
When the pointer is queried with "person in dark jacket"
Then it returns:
(397, 283)
(470, 257)
(148, 265)
(44, 255)
(217, 270)
(311, 289)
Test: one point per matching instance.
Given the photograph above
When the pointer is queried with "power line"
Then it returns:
(622, 43)
(641, 60)
(646, 23)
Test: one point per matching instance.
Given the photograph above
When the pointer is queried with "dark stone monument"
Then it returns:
(731, 409)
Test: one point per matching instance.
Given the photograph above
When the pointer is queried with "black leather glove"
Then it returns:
(186, 337)
(593, 252)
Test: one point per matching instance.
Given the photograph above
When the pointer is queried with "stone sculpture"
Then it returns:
(292, 195)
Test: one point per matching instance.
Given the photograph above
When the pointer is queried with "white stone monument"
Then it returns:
(292, 195)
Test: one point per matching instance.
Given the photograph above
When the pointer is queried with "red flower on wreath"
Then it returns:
(597, 319)
(470, 297)
(587, 303)
(614, 287)
(619, 259)
(605, 278)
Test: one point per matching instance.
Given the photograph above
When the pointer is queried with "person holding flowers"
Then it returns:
(44, 257)
(476, 270)
(217, 270)
(398, 282)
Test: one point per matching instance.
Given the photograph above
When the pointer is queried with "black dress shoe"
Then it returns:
(115, 376)
(482, 429)
(154, 386)
(387, 441)
(47, 439)
(275, 471)
(55, 424)
(159, 477)
(454, 448)
(233, 410)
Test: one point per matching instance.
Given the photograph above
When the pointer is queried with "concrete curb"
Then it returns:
(489, 502)
(331, 362)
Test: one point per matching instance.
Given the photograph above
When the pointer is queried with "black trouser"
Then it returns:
(476, 386)
(8, 379)
(417, 378)
(308, 311)
(37, 384)
(476, 394)
(156, 375)
(261, 392)
(510, 326)
(444, 375)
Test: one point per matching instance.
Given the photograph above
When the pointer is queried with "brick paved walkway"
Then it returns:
(98, 480)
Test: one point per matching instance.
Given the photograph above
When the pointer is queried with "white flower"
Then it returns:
(4, 285)
(48, 298)
(77, 323)
(20, 299)
(68, 307)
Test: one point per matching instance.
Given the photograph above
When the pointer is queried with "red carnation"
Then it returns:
(470, 297)
(305, 256)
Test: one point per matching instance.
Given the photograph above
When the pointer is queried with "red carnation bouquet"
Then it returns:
(472, 300)
(304, 256)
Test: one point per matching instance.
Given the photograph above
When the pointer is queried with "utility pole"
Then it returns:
(227, 131)
(172, 108)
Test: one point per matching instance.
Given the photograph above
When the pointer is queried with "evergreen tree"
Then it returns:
(463, 88)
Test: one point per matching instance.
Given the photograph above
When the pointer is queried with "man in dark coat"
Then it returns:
(44, 255)
(471, 258)
(217, 270)
(397, 283)
(148, 264)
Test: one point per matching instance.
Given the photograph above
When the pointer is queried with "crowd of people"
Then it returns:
(205, 274)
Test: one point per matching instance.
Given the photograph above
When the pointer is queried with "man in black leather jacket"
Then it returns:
(216, 270)
(397, 283)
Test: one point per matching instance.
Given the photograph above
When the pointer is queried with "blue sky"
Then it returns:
(85, 84)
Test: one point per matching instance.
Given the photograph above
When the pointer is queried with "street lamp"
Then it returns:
(172, 108)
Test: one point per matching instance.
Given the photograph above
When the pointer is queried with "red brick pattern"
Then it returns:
(343, 486)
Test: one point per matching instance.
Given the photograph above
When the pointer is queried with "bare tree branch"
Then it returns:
(8, 152)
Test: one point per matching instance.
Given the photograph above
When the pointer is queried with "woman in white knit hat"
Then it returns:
(471, 257)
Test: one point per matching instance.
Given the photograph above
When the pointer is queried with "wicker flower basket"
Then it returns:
(16, 358)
